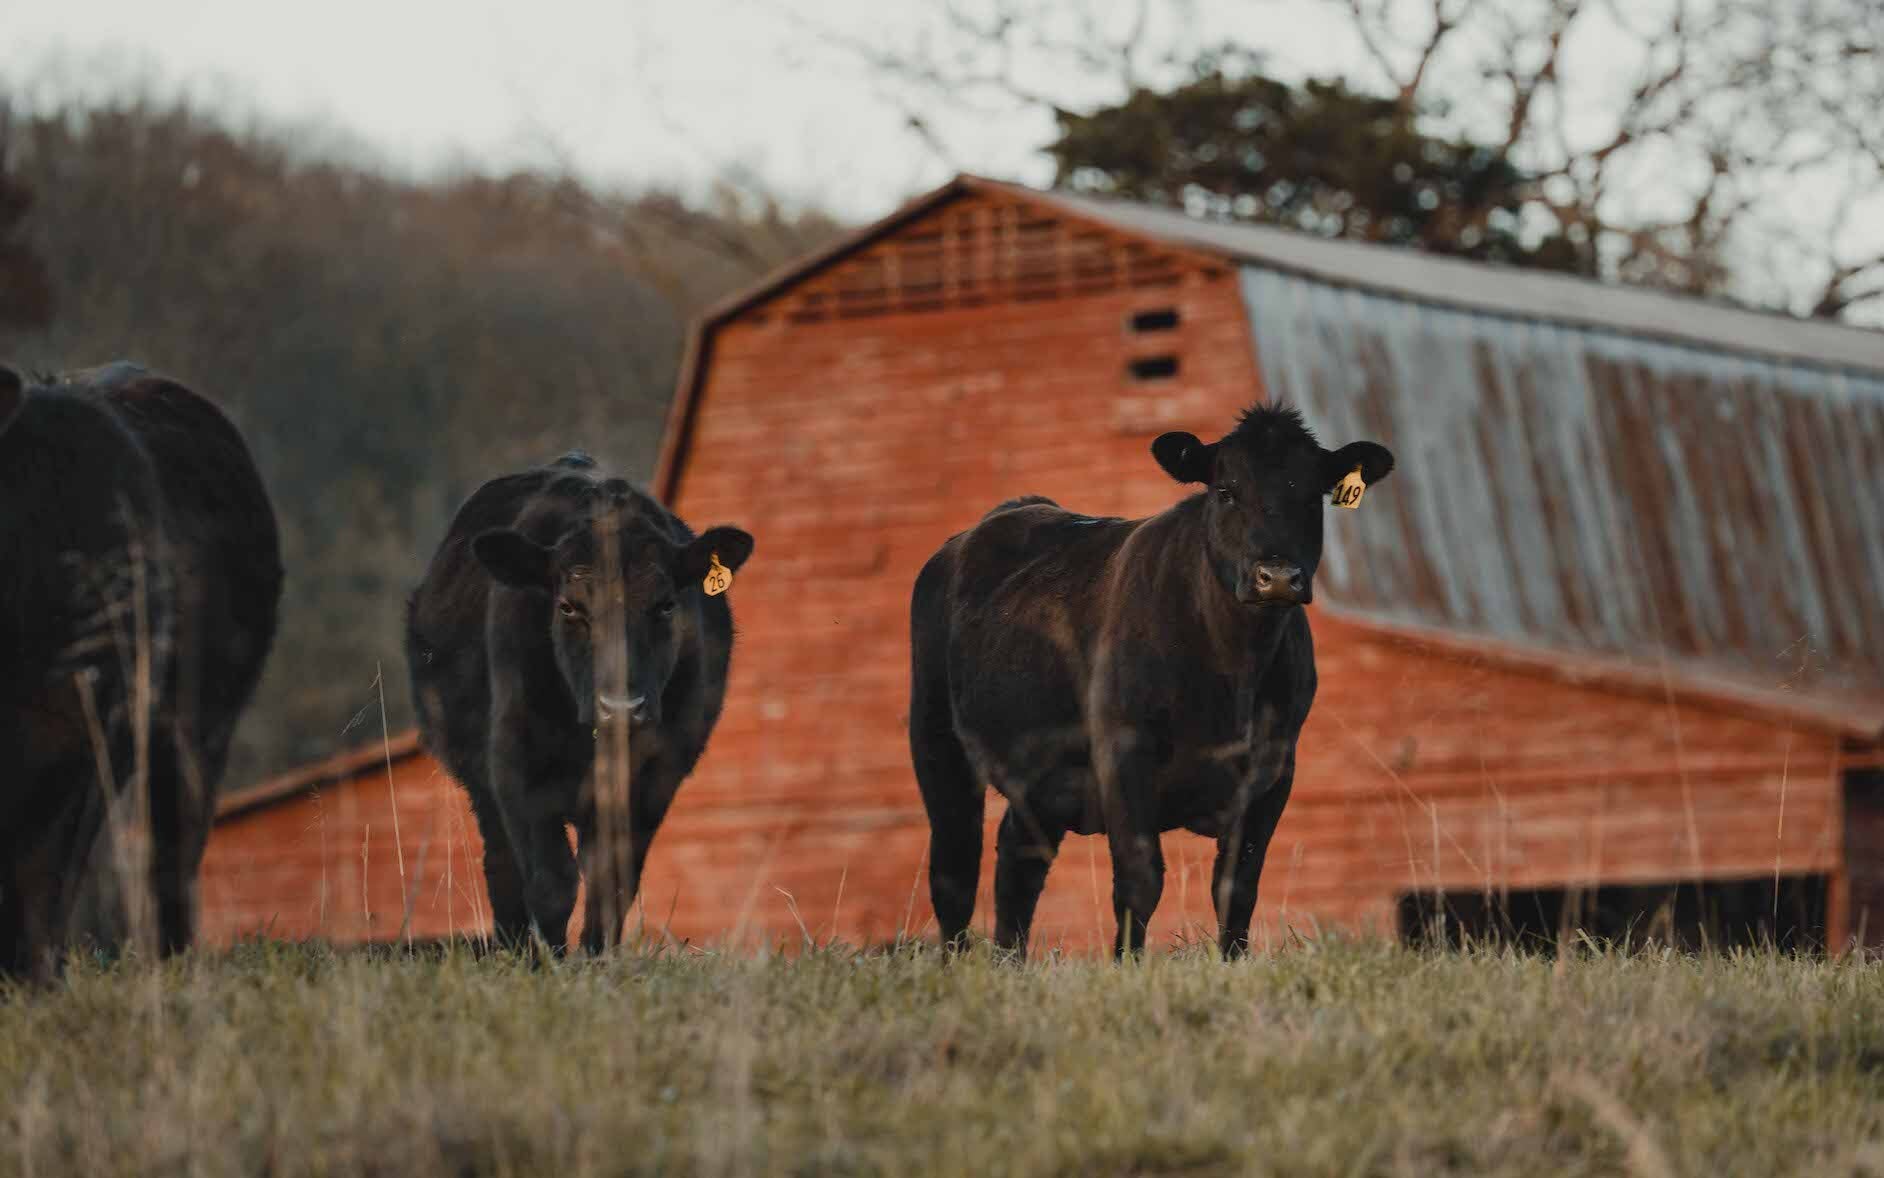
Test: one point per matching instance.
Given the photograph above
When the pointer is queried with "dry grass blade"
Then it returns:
(1646, 1156)
(609, 865)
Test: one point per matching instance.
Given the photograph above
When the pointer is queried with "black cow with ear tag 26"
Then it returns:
(561, 607)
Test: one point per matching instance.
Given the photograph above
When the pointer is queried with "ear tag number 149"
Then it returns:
(1348, 491)
(719, 578)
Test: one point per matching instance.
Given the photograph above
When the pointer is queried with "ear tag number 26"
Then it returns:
(719, 578)
(1348, 491)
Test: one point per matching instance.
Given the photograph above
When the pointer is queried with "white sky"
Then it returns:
(637, 91)
(672, 92)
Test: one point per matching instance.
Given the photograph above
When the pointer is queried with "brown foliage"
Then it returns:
(25, 293)
(386, 345)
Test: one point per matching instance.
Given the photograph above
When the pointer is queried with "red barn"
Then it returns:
(1610, 632)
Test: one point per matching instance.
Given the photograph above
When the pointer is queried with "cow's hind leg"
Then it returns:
(952, 794)
(1024, 851)
(181, 801)
(1240, 854)
(955, 803)
(46, 870)
(1132, 839)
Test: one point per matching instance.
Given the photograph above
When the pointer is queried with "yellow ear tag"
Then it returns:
(1348, 491)
(719, 578)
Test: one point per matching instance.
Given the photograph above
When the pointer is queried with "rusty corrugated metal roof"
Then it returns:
(1570, 488)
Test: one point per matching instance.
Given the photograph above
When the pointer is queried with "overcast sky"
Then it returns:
(639, 91)
(675, 93)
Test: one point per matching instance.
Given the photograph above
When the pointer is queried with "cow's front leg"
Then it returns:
(539, 846)
(503, 874)
(1024, 850)
(1125, 775)
(1241, 850)
(612, 866)
(549, 879)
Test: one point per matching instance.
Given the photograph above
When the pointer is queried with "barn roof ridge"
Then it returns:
(1493, 288)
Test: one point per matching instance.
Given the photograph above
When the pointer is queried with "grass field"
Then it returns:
(1342, 1058)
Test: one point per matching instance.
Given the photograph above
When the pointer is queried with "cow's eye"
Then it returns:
(566, 607)
(666, 608)
(1226, 494)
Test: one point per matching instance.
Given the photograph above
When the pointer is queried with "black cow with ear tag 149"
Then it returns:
(1126, 677)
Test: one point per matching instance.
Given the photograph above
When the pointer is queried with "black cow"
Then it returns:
(513, 675)
(142, 574)
(1125, 676)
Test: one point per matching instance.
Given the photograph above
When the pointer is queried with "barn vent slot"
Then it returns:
(1156, 319)
(982, 254)
(1162, 367)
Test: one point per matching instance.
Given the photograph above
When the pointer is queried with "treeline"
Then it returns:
(386, 344)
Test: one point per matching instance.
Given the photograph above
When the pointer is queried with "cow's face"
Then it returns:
(1266, 481)
(656, 595)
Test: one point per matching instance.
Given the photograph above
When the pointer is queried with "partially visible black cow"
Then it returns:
(137, 605)
(1125, 677)
(512, 675)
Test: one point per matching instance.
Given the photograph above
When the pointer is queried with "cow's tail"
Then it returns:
(951, 794)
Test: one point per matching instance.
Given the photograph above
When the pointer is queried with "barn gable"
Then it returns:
(973, 249)
(969, 245)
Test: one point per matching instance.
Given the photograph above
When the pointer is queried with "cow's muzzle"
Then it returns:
(1275, 582)
(634, 706)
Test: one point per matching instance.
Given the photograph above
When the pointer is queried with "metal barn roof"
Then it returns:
(1704, 513)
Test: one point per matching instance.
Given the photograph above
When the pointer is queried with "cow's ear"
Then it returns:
(730, 546)
(1374, 459)
(514, 559)
(12, 396)
(1185, 458)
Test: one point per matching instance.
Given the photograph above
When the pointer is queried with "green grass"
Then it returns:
(1342, 1058)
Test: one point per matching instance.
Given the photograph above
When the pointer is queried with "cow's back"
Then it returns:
(69, 474)
(79, 500)
(82, 539)
(1019, 615)
(224, 546)
(447, 610)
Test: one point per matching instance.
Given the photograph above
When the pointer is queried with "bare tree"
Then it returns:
(1707, 146)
